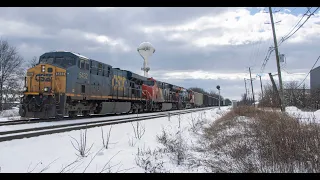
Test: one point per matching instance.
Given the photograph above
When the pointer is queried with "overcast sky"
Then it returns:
(201, 47)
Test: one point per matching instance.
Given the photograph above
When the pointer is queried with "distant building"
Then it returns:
(315, 78)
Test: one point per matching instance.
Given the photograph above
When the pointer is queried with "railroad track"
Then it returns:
(46, 130)
(31, 121)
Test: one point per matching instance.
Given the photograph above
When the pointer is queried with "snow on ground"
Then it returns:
(51, 153)
(10, 114)
(303, 116)
(64, 122)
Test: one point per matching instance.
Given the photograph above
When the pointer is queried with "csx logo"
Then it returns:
(83, 75)
(118, 82)
(43, 77)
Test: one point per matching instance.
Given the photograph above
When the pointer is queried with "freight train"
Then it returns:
(69, 84)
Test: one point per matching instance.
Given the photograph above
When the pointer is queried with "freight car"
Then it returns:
(69, 84)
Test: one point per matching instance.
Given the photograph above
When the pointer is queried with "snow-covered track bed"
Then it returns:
(32, 121)
(38, 131)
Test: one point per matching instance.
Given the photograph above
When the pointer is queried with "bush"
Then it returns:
(262, 141)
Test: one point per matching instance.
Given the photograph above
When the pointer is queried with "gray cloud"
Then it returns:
(37, 30)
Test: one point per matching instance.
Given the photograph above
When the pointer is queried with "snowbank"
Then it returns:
(292, 108)
(302, 116)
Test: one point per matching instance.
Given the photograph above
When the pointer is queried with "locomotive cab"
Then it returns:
(45, 83)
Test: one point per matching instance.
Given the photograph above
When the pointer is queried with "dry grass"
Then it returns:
(267, 141)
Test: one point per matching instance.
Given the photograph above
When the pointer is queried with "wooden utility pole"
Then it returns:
(275, 87)
(277, 58)
(261, 91)
(252, 88)
(245, 85)
(246, 94)
(261, 86)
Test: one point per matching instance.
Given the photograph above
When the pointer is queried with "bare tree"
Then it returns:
(270, 97)
(10, 66)
(32, 62)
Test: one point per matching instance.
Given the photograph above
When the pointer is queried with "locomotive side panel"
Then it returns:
(100, 80)
(135, 82)
(119, 84)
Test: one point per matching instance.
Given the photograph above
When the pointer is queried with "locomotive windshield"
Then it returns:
(149, 83)
(59, 61)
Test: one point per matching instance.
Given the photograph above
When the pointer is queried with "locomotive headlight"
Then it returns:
(46, 89)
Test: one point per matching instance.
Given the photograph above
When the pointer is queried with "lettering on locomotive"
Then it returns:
(118, 82)
(43, 77)
(60, 73)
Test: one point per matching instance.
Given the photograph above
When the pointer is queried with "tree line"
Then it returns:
(293, 95)
(12, 72)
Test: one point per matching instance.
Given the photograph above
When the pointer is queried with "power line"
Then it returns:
(286, 71)
(295, 25)
(309, 72)
(270, 50)
(252, 54)
(284, 39)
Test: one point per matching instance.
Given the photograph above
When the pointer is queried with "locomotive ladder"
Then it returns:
(57, 103)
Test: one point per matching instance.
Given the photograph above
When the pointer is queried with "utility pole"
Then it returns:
(261, 86)
(252, 88)
(275, 87)
(245, 86)
(277, 58)
(261, 91)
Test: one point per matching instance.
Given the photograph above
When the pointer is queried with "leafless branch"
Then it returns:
(139, 130)
(33, 168)
(104, 167)
(82, 146)
(63, 169)
(47, 167)
(106, 143)
(11, 71)
(92, 159)
(132, 142)
(32, 62)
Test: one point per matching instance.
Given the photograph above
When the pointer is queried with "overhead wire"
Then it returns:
(294, 26)
(309, 72)
(270, 50)
(288, 36)
(268, 54)
(255, 44)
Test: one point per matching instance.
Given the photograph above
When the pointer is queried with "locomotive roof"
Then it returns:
(66, 52)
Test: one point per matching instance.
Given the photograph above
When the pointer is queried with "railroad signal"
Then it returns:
(218, 87)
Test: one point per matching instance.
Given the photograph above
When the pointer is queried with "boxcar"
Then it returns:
(198, 99)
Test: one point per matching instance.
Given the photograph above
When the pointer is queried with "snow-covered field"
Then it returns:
(52, 153)
(304, 116)
(130, 149)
